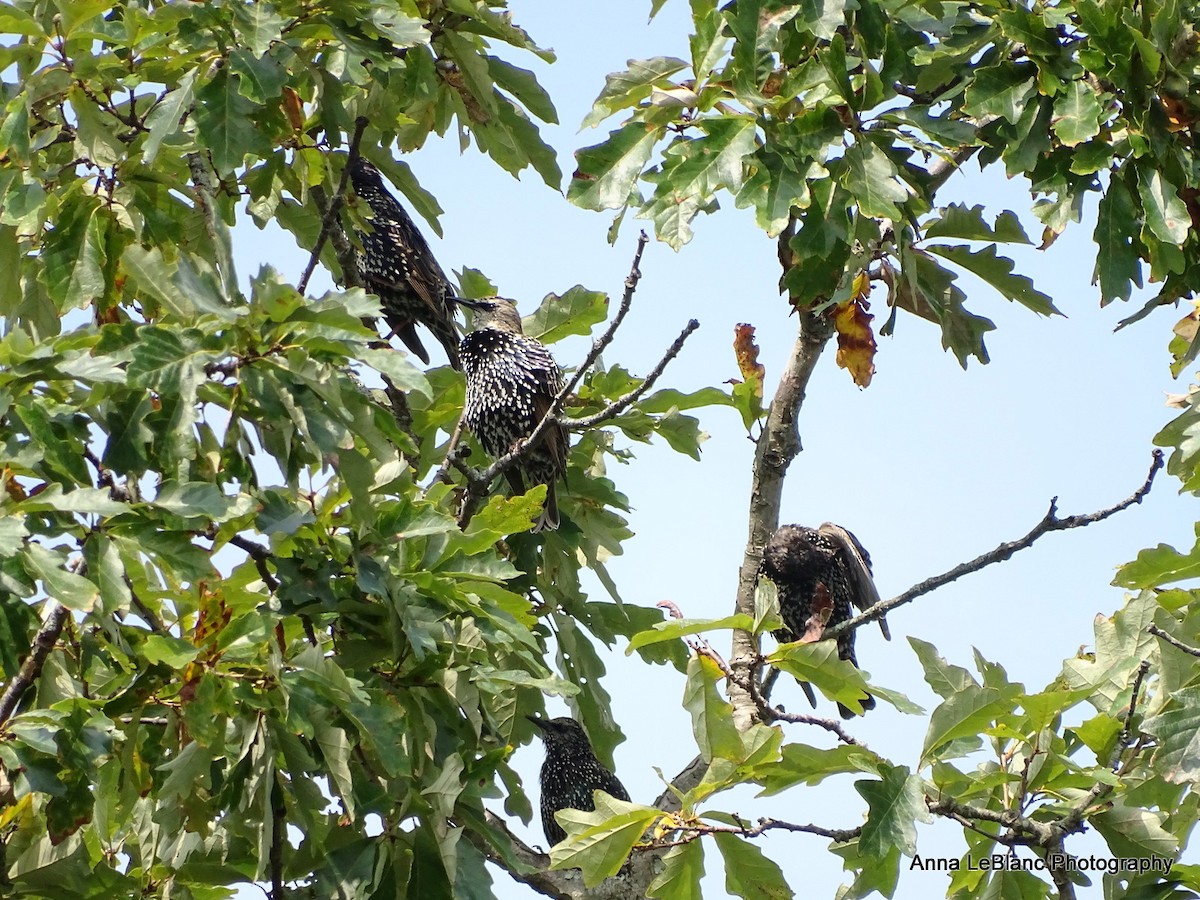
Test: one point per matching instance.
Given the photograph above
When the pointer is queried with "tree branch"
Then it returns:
(335, 205)
(1178, 644)
(54, 619)
(692, 832)
(777, 446)
(278, 826)
(260, 555)
(622, 403)
(1050, 522)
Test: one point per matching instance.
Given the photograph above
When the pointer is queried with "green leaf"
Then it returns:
(226, 121)
(402, 29)
(998, 272)
(1118, 261)
(178, 286)
(1077, 114)
(1177, 729)
(873, 181)
(201, 499)
(897, 803)
(1166, 215)
(170, 650)
(607, 173)
(165, 117)
(1134, 833)
(693, 170)
(1159, 566)
(748, 872)
(818, 664)
(966, 714)
(1001, 90)
(69, 589)
(632, 86)
(712, 717)
(74, 253)
(12, 535)
(95, 501)
(675, 629)
(683, 867)
(802, 764)
(396, 367)
(599, 842)
(261, 77)
(574, 312)
(965, 222)
(523, 85)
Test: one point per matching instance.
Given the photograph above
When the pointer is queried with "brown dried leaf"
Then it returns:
(820, 609)
(856, 341)
(1180, 117)
(293, 108)
(746, 351)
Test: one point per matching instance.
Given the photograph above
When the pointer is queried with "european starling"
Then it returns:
(803, 562)
(400, 268)
(570, 773)
(511, 382)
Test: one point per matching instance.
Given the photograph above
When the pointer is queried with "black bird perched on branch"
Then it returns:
(512, 381)
(806, 562)
(399, 267)
(570, 773)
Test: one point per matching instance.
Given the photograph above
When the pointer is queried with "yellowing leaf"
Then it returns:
(747, 357)
(856, 341)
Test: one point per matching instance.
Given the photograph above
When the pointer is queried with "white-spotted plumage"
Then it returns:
(511, 382)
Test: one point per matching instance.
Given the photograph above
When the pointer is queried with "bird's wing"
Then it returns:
(548, 378)
(858, 567)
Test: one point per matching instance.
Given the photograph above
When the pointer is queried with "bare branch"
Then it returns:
(260, 555)
(1050, 522)
(1123, 741)
(54, 619)
(1174, 642)
(770, 713)
(699, 829)
(335, 205)
(622, 403)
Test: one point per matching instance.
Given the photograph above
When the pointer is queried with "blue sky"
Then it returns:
(930, 466)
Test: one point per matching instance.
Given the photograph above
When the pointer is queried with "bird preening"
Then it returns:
(512, 381)
(570, 773)
(807, 564)
(399, 267)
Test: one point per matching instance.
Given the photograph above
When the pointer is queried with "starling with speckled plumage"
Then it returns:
(399, 267)
(512, 381)
(570, 773)
(805, 562)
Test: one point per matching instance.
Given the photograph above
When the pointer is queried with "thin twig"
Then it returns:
(598, 346)
(771, 713)
(698, 830)
(1174, 642)
(1123, 741)
(443, 471)
(260, 555)
(622, 403)
(54, 619)
(335, 205)
(1050, 522)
